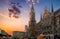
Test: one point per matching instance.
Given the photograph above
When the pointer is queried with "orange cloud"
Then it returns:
(11, 24)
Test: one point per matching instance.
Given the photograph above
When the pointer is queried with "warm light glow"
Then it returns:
(11, 24)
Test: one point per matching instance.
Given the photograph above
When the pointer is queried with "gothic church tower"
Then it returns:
(32, 22)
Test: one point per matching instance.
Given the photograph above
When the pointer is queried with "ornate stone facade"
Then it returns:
(32, 22)
(49, 24)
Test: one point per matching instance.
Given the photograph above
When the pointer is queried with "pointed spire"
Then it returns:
(32, 22)
(32, 8)
(32, 13)
(52, 8)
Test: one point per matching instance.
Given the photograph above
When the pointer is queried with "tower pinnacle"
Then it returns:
(32, 13)
(32, 7)
(52, 8)
(32, 22)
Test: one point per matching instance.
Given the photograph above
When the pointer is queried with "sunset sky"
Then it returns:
(11, 24)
